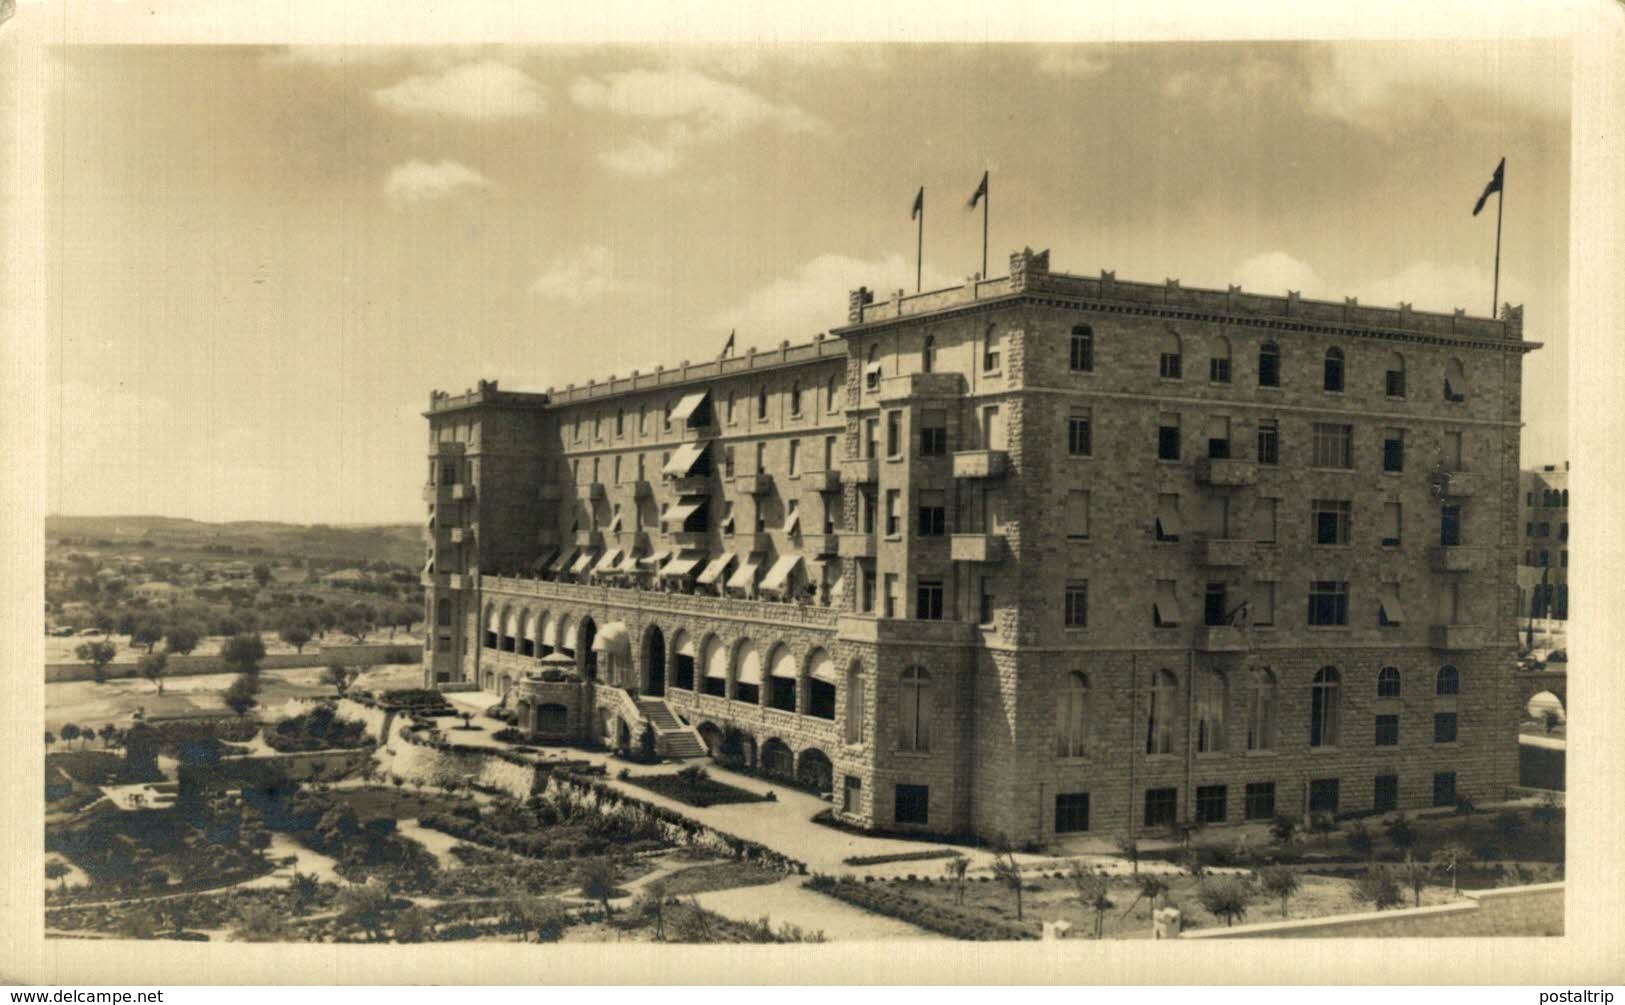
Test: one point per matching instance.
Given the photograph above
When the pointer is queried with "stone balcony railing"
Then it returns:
(1223, 553)
(692, 485)
(921, 385)
(438, 494)
(1458, 638)
(856, 545)
(1225, 472)
(590, 492)
(1456, 558)
(981, 463)
(902, 631)
(977, 548)
(821, 545)
(862, 471)
(633, 599)
(759, 483)
(824, 481)
(1220, 639)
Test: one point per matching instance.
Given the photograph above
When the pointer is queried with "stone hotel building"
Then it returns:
(1041, 555)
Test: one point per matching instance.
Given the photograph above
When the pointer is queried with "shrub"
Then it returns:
(1379, 888)
(885, 899)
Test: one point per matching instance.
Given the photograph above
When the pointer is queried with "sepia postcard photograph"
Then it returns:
(882, 494)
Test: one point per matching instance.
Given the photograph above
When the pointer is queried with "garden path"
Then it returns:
(788, 901)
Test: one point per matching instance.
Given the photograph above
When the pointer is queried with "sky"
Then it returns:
(263, 259)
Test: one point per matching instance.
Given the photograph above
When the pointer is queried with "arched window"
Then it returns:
(1212, 700)
(1170, 366)
(795, 398)
(1455, 381)
(1388, 682)
(1072, 717)
(527, 634)
(1083, 349)
(1159, 720)
(782, 674)
(714, 664)
(914, 710)
(493, 627)
(1394, 381)
(1448, 682)
(854, 703)
(928, 354)
(748, 673)
(510, 630)
(1218, 364)
(761, 402)
(820, 685)
(1325, 709)
(1269, 365)
(682, 648)
(1333, 379)
(1262, 705)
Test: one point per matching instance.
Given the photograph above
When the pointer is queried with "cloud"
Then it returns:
(1240, 81)
(483, 91)
(747, 60)
(339, 55)
(1275, 272)
(694, 107)
(587, 275)
(1072, 63)
(1425, 285)
(1379, 86)
(420, 181)
(813, 298)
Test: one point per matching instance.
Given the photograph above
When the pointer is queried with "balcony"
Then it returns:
(1223, 553)
(977, 548)
(1455, 558)
(1220, 639)
(691, 538)
(1458, 638)
(861, 472)
(591, 492)
(461, 535)
(1225, 472)
(550, 492)
(642, 488)
(921, 385)
(821, 545)
(449, 448)
(757, 484)
(867, 628)
(693, 485)
(1458, 484)
(589, 538)
(824, 481)
(634, 540)
(445, 580)
(981, 463)
(437, 494)
(857, 546)
(462, 491)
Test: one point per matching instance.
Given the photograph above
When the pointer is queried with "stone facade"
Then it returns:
(1544, 526)
(1058, 537)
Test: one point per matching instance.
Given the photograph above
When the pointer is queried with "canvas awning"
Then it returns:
(657, 559)
(613, 639)
(683, 461)
(792, 523)
(493, 621)
(550, 632)
(541, 562)
(1388, 597)
(744, 577)
(716, 661)
(687, 406)
(584, 561)
(629, 563)
(750, 666)
(1168, 522)
(563, 561)
(784, 664)
(615, 523)
(685, 645)
(716, 568)
(682, 565)
(780, 577)
(680, 513)
(611, 558)
(567, 635)
(822, 668)
(1167, 605)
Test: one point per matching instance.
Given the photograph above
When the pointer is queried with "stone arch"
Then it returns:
(778, 760)
(684, 659)
(587, 657)
(652, 678)
(1545, 701)
(552, 719)
(493, 625)
(815, 771)
(567, 634)
(547, 634)
(505, 684)
(745, 673)
(783, 678)
(713, 667)
(822, 685)
(527, 633)
(510, 628)
(710, 735)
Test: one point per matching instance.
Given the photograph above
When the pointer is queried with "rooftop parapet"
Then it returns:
(787, 354)
(485, 393)
(1030, 273)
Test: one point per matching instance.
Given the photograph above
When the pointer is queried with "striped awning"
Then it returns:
(563, 561)
(584, 561)
(683, 461)
(744, 577)
(718, 566)
(690, 402)
(780, 577)
(611, 559)
(682, 565)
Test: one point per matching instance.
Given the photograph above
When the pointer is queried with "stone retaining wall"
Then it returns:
(1515, 910)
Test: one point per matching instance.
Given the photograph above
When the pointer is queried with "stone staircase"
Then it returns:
(673, 740)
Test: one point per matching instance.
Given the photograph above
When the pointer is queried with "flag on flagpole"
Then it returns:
(976, 196)
(1493, 187)
(728, 347)
(919, 204)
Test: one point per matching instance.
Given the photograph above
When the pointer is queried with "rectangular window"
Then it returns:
(1444, 788)
(1165, 611)
(1262, 608)
(1211, 803)
(866, 511)
(1333, 446)
(1328, 603)
(442, 610)
(1395, 384)
(892, 595)
(871, 439)
(1269, 441)
(1161, 807)
(1323, 795)
(1077, 604)
(1453, 456)
(795, 458)
(894, 433)
(933, 513)
(1216, 606)
(913, 804)
(1391, 522)
(1071, 812)
(990, 353)
(894, 513)
(1218, 436)
(1083, 349)
(728, 516)
(1387, 731)
(1449, 526)
(728, 461)
(1079, 443)
(829, 453)
(1393, 449)
(866, 583)
(1168, 437)
(852, 794)
(933, 433)
(1218, 370)
(928, 600)
(1077, 514)
(1264, 520)
(1170, 366)
(1444, 727)
(1169, 525)
(1260, 800)
(1332, 519)
(992, 429)
(1385, 793)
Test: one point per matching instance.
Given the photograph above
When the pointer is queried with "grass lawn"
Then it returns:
(709, 791)
(718, 876)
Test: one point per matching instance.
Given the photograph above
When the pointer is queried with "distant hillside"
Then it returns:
(402, 543)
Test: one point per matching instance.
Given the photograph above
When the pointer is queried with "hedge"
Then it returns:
(883, 899)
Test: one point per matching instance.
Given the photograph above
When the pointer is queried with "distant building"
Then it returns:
(1544, 522)
(1031, 556)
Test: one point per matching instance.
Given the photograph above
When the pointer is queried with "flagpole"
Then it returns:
(1500, 201)
(919, 245)
(987, 197)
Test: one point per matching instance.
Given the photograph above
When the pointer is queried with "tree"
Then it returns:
(413, 925)
(108, 733)
(70, 732)
(262, 574)
(242, 653)
(57, 870)
(546, 918)
(1400, 833)
(260, 923)
(239, 697)
(104, 621)
(1284, 830)
(181, 639)
(598, 882)
(146, 632)
(1007, 870)
(338, 675)
(1280, 883)
(1545, 813)
(1130, 849)
(365, 905)
(651, 904)
(1450, 857)
(295, 633)
(1415, 873)
(98, 655)
(1226, 897)
(1378, 888)
(50, 740)
(304, 887)
(152, 667)
(692, 776)
(357, 621)
(1093, 893)
(1150, 888)
(955, 868)
(1323, 824)
(87, 733)
(1360, 840)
